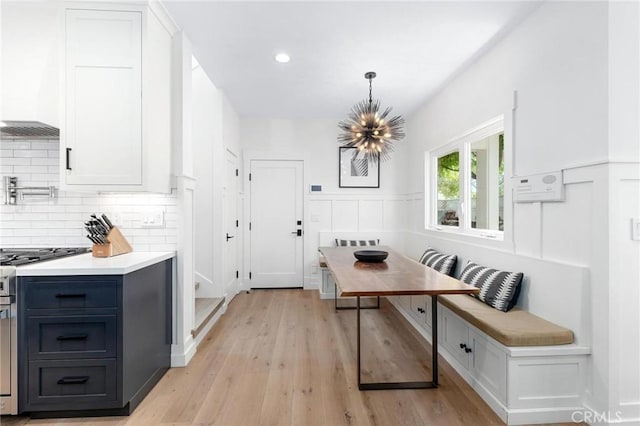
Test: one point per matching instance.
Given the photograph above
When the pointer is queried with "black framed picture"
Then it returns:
(355, 171)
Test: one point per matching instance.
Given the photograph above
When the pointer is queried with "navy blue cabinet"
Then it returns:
(93, 343)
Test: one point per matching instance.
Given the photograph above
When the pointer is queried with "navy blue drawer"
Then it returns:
(72, 337)
(70, 292)
(73, 384)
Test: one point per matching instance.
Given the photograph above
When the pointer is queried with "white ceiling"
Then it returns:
(414, 47)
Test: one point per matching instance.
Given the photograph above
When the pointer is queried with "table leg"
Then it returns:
(434, 340)
(402, 385)
(343, 308)
(358, 325)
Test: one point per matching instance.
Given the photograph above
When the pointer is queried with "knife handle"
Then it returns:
(68, 160)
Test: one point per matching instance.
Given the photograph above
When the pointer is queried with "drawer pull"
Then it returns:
(68, 296)
(73, 337)
(73, 380)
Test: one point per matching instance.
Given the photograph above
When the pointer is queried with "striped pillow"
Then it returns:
(345, 243)
(498, 289)
(445, 263)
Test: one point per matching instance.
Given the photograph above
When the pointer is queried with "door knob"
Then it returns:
(229, 236)
(298, 232)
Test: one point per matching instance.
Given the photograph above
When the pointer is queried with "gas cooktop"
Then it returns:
(25, 256)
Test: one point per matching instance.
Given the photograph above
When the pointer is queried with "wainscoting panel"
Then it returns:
(395, 214)
(370, 215)
(344, 215)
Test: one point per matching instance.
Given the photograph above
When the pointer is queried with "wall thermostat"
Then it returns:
(315, 188)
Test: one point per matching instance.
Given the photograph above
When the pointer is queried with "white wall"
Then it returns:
(571, 114)
(334, 209)
(215, 130)
(207, 136)
(45, 222)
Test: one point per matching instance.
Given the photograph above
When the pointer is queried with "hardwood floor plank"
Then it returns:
(286, 357)
(308, 408)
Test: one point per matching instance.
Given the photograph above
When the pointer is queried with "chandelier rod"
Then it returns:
(370, 76)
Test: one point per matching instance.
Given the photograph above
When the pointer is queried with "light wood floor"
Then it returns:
(285, 357)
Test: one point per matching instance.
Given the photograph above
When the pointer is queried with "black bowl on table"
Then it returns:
(373, 256)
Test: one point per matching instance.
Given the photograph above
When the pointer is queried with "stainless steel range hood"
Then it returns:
(28, 130)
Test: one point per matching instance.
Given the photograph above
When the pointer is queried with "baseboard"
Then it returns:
(325, 295)
(181, 354)
(205, 330)
(547, 415)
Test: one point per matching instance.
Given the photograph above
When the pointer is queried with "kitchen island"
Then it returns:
(94, 333)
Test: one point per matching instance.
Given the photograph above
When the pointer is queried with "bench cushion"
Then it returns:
(513, 328)
(444, 263)
(498, 289)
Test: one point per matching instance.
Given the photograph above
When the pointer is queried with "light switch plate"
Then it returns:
(635, 228)
(152, 218)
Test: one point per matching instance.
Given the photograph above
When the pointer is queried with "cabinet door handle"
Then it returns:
(73, 380)
(462, 346)
(467, 350)
(67, 296)
(68, 159)
(73, 337)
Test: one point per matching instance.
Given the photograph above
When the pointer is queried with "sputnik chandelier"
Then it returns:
(368, 130)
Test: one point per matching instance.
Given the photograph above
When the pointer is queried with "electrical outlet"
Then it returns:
(153, 218)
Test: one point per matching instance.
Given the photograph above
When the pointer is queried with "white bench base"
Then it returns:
(522, 385)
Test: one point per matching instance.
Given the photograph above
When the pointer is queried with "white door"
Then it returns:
(276, 224)
(230, 223)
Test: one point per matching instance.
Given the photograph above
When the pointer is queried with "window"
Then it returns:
(467, 182)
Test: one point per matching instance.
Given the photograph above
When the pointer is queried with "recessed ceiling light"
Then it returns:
(283, 58)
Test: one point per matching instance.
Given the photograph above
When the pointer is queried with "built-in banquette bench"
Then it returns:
(528, 369)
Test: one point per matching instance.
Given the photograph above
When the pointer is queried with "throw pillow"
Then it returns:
(344, 243)
(498, 289)
(445, 263)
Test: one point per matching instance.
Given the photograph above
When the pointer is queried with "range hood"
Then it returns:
(28, 130)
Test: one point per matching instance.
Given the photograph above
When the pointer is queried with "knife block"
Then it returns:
(118, 244)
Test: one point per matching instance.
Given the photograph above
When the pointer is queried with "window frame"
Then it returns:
(462, 144)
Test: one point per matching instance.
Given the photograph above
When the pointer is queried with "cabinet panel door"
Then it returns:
(70, 337)
(455, 333)
(70, 292)
(489, 366)
(417, 308)
(72, 385)
(103, 113)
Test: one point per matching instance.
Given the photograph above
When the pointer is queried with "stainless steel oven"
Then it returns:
(8, 341)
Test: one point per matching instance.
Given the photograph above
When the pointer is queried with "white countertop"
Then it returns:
(86, 264)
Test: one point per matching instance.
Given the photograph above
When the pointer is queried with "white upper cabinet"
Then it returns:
(117, 101)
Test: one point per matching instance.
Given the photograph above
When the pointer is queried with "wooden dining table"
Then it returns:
(398, 275)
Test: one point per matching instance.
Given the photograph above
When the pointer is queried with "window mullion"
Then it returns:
(465, 185)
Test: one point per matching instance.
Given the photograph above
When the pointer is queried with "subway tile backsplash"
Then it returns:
(58, 222)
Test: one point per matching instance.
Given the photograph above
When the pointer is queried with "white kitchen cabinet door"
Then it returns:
(455, 336)
(103, 106)
(488, 365)
(417, 308)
